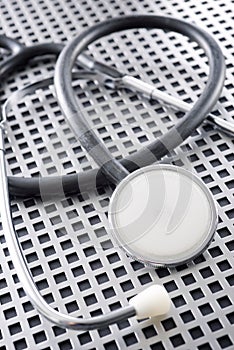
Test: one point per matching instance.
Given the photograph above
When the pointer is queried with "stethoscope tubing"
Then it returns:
(25, 276)
(176, 135)
(10, 44)
(157, 149)
(109, 167)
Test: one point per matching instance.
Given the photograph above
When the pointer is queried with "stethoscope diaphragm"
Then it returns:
(162, 215)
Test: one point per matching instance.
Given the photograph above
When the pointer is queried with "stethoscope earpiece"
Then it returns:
(151, 302)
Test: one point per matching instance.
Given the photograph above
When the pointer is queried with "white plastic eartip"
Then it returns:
(153, 301)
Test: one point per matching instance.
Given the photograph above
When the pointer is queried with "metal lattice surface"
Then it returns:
(74, 262)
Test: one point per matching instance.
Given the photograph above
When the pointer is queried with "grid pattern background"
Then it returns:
(74, 262)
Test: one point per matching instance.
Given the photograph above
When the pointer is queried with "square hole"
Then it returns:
(94, 220)
(84, 285)
(42, 284)
(197, 294)
(168, 324)
(205, 346)
(206, 272)
(223, 173)
(223, 202)
(120, 271)
(205, 309)
(104, 332)
(15, 328)
(90, 299)
(102, 278)
(224, 265)
(187, 316)
(149, 332)
(96, 264)
(157, 346)
(100, 232)
(109, 292)
(54, 264)
(215, 287)
(130, 339)
(66, 244)
(230, 280)
(127, 285)
(39, 226)
(196, 332)
(214, 252)
(113, 258)
(224, 342)
(230, 317)
(19, 344)
(65, 345)
(170, 286)
(83, 238)
(27, 307)
(10, 313)
(215, 189)
(60, 277)
(39, 337)
(77, 226)
(49, 251)
(31, 257)
(178, 301)
(144, 279)
(177, 340)
(162, 272)
(136, 265)
(188, 279)
(106, 244)
(115, 306)
(230, 245)
(34, 321)
(215, 325)
(207, 179)
(34, 214)
(199, 259)
(224, 302)
(71, 258)
(72, 306)
(65, 292)
(224, 232)
(58, 331)
(111, 345)
(78, 271)
(84, 338)
(89, 251)
(44, 238)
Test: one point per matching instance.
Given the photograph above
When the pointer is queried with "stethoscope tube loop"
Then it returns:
(24, 187)
(175, 135)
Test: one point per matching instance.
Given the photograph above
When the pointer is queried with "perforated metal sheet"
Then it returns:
(73, 260)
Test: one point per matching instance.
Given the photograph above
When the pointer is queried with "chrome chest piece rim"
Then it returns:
(162, 215)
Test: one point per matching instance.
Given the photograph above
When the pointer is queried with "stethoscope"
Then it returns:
(161, 215)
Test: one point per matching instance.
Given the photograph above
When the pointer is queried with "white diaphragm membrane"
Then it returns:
(162, 215)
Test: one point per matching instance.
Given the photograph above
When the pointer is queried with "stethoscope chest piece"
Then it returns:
(162, 215)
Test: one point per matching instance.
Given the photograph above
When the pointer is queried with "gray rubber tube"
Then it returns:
(26, 186)
(63, 83)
